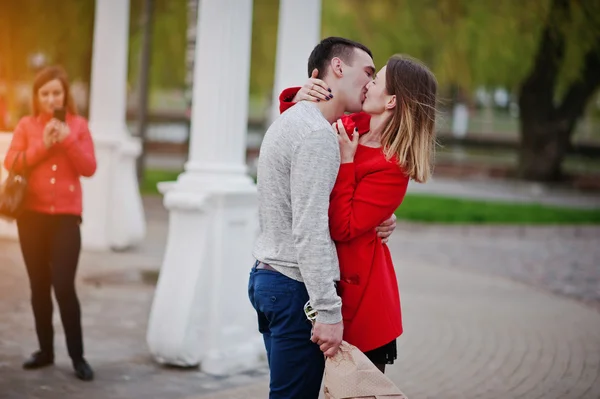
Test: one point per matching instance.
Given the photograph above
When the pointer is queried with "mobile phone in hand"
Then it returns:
(60, 114)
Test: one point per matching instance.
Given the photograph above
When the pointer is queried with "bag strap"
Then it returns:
(24, 162)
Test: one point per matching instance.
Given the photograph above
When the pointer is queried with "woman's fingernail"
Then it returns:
(331, 96)
(329, 90)
(356, 129)
(318, 99)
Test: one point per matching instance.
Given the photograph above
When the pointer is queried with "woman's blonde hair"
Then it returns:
(46, 75)
(409, 134)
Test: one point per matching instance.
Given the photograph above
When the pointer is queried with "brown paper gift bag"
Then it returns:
(351, 375)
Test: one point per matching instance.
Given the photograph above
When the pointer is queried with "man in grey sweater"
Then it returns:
(296, 258)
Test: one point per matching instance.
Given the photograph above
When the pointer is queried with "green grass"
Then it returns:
(154, 177)
(434, 209)
(444, 210)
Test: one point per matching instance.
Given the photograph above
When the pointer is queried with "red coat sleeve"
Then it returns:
(361, 120)
(286, 97)
(357, 207)
(80, 150)
(34, 153)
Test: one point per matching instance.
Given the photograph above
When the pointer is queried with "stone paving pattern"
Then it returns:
(489, 312)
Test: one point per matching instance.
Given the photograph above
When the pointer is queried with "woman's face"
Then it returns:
(51, 96)
(376, 97)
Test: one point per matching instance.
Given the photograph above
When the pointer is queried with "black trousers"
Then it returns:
(51, 245)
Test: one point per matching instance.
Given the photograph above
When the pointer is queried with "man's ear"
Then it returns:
(391, 104)
(336, 66)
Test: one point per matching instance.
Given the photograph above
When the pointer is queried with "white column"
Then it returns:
(8, 229)
(113, 212)
(201, 313)
(298, 33)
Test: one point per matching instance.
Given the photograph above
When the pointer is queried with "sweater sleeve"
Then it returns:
(286, 97)
(34, 153)
(313, 172)
(357, 207)
(80, 150)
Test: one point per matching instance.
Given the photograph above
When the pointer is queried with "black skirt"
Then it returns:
(385, 354)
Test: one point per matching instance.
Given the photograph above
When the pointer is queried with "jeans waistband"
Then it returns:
(264, 266)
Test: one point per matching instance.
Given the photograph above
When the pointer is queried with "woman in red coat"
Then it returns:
(396, 143)
(54, 151)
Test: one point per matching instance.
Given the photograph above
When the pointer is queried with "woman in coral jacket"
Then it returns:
(396, 143)
(54, 155)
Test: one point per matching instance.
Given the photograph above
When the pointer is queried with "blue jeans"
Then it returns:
(296, 363)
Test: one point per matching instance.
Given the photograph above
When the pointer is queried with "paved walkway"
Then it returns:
(472, 331)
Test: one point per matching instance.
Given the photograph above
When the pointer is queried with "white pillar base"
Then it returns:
(113, 213)
(201, 314)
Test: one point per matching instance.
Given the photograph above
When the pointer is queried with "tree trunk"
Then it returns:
(547, 127)
(542, 151)
(144, 85)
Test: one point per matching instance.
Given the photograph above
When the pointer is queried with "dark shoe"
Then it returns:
(83, 371)
(38, 360)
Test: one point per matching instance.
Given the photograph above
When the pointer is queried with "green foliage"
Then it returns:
(264, 43)
(169, 25)
(582, 34)
(29, 27)
(32, 26)
(63, 31)
(465, 42)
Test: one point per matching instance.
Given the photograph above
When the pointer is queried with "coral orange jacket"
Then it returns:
(53, 174)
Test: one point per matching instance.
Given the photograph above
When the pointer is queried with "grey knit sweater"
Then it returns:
(297, 168)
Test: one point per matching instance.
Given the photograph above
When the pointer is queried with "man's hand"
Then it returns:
(328, 337)
(385, 229)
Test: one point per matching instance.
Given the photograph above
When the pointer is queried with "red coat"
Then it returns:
(53, 181)
(365, 194)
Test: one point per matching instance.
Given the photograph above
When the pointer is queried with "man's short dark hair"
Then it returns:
(330, 48)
